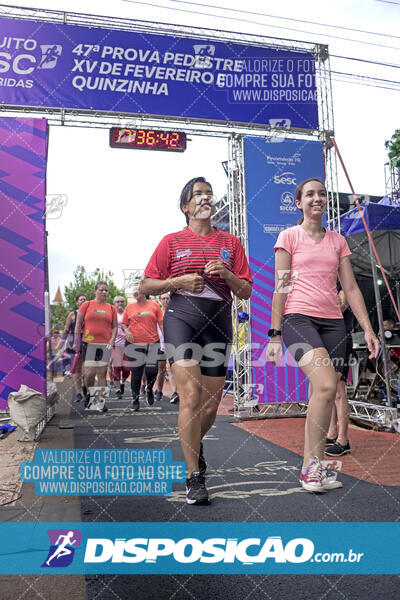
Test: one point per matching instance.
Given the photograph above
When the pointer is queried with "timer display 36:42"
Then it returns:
(147, 139)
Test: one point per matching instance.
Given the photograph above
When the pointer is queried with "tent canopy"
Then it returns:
(383, 220)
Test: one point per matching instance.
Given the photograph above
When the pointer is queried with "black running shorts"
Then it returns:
(95, 353)
(199, 329)
(302, 333)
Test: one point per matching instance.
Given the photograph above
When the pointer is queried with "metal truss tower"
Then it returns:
(234, 132)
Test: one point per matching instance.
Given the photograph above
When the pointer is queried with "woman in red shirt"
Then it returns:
(202, 266)
(99, 320)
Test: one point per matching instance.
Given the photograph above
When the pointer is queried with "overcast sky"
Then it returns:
(121, 202)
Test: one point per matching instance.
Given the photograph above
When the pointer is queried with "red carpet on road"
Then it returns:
(375, 455)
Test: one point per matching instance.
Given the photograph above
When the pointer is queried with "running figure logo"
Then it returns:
(62, 547)
(50, 54)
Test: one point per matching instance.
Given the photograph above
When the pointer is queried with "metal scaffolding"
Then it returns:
(234, 132)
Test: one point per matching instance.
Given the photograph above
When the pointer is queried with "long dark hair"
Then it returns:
(187, 191)
(299, 191)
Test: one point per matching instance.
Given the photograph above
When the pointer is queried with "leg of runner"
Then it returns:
(315, 365)
(189, 382)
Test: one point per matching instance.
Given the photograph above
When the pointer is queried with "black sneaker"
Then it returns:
(149, 396)
(118, 394)
(338, 450)
(196, 492)
(122, 387)
(135, 404)
(174, 398)
(78, 397)
(330, 441)
(202, 462)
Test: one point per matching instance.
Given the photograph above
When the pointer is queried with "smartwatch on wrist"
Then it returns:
(274, 332)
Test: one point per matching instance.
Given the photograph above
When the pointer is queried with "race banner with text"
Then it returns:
(273, 170)
(52, 65)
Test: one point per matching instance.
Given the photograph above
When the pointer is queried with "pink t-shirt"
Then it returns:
(311, 284)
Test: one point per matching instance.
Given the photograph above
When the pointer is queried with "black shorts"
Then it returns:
(302, 333)
(95, 353)
(137, 355)
(199, 329)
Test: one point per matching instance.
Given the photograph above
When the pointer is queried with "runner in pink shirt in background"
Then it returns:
(309, 259)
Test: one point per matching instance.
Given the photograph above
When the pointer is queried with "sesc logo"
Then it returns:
(286, 178)
(287, 203)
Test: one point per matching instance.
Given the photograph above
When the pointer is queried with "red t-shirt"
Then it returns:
(142, 321)
(187, 252)
(99, 319)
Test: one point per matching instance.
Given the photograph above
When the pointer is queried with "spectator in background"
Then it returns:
(337, 440)
(68, 335)
(120, 369)
(163, 365)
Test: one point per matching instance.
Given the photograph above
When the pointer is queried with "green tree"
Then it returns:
(393, 148)
(58, 316)
(84, 282)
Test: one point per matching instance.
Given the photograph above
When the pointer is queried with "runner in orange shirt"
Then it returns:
(99, 332)
(142, 349)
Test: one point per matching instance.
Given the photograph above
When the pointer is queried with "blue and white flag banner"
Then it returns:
(200, 548)
(52, 65)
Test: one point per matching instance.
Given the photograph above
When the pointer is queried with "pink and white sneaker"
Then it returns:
(329, 474)
(312, 479)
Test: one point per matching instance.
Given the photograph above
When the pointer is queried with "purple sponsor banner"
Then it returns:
(273, 170)
(23, 154)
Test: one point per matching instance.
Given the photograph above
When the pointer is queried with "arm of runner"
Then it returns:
(128, 334)
(240, 287)
(192, 282)
(356, 301)
(114, 331)
(282, 264)
(77, 332)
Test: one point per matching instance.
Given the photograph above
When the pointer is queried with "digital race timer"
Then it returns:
(147, 139)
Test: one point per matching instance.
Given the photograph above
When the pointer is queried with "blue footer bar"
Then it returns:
(200, 548)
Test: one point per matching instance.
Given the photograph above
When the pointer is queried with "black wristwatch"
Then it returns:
(274, 332)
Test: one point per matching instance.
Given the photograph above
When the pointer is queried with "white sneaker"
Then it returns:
(329, 476)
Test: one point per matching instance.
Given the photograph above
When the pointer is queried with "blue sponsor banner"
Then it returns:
(273, 170)
(200, 548)
(76, 67)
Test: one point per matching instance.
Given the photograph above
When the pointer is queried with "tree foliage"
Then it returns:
(393, 148)
(84, 282)
(58, 316)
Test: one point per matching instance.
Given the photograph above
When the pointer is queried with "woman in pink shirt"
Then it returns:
(309, 259)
